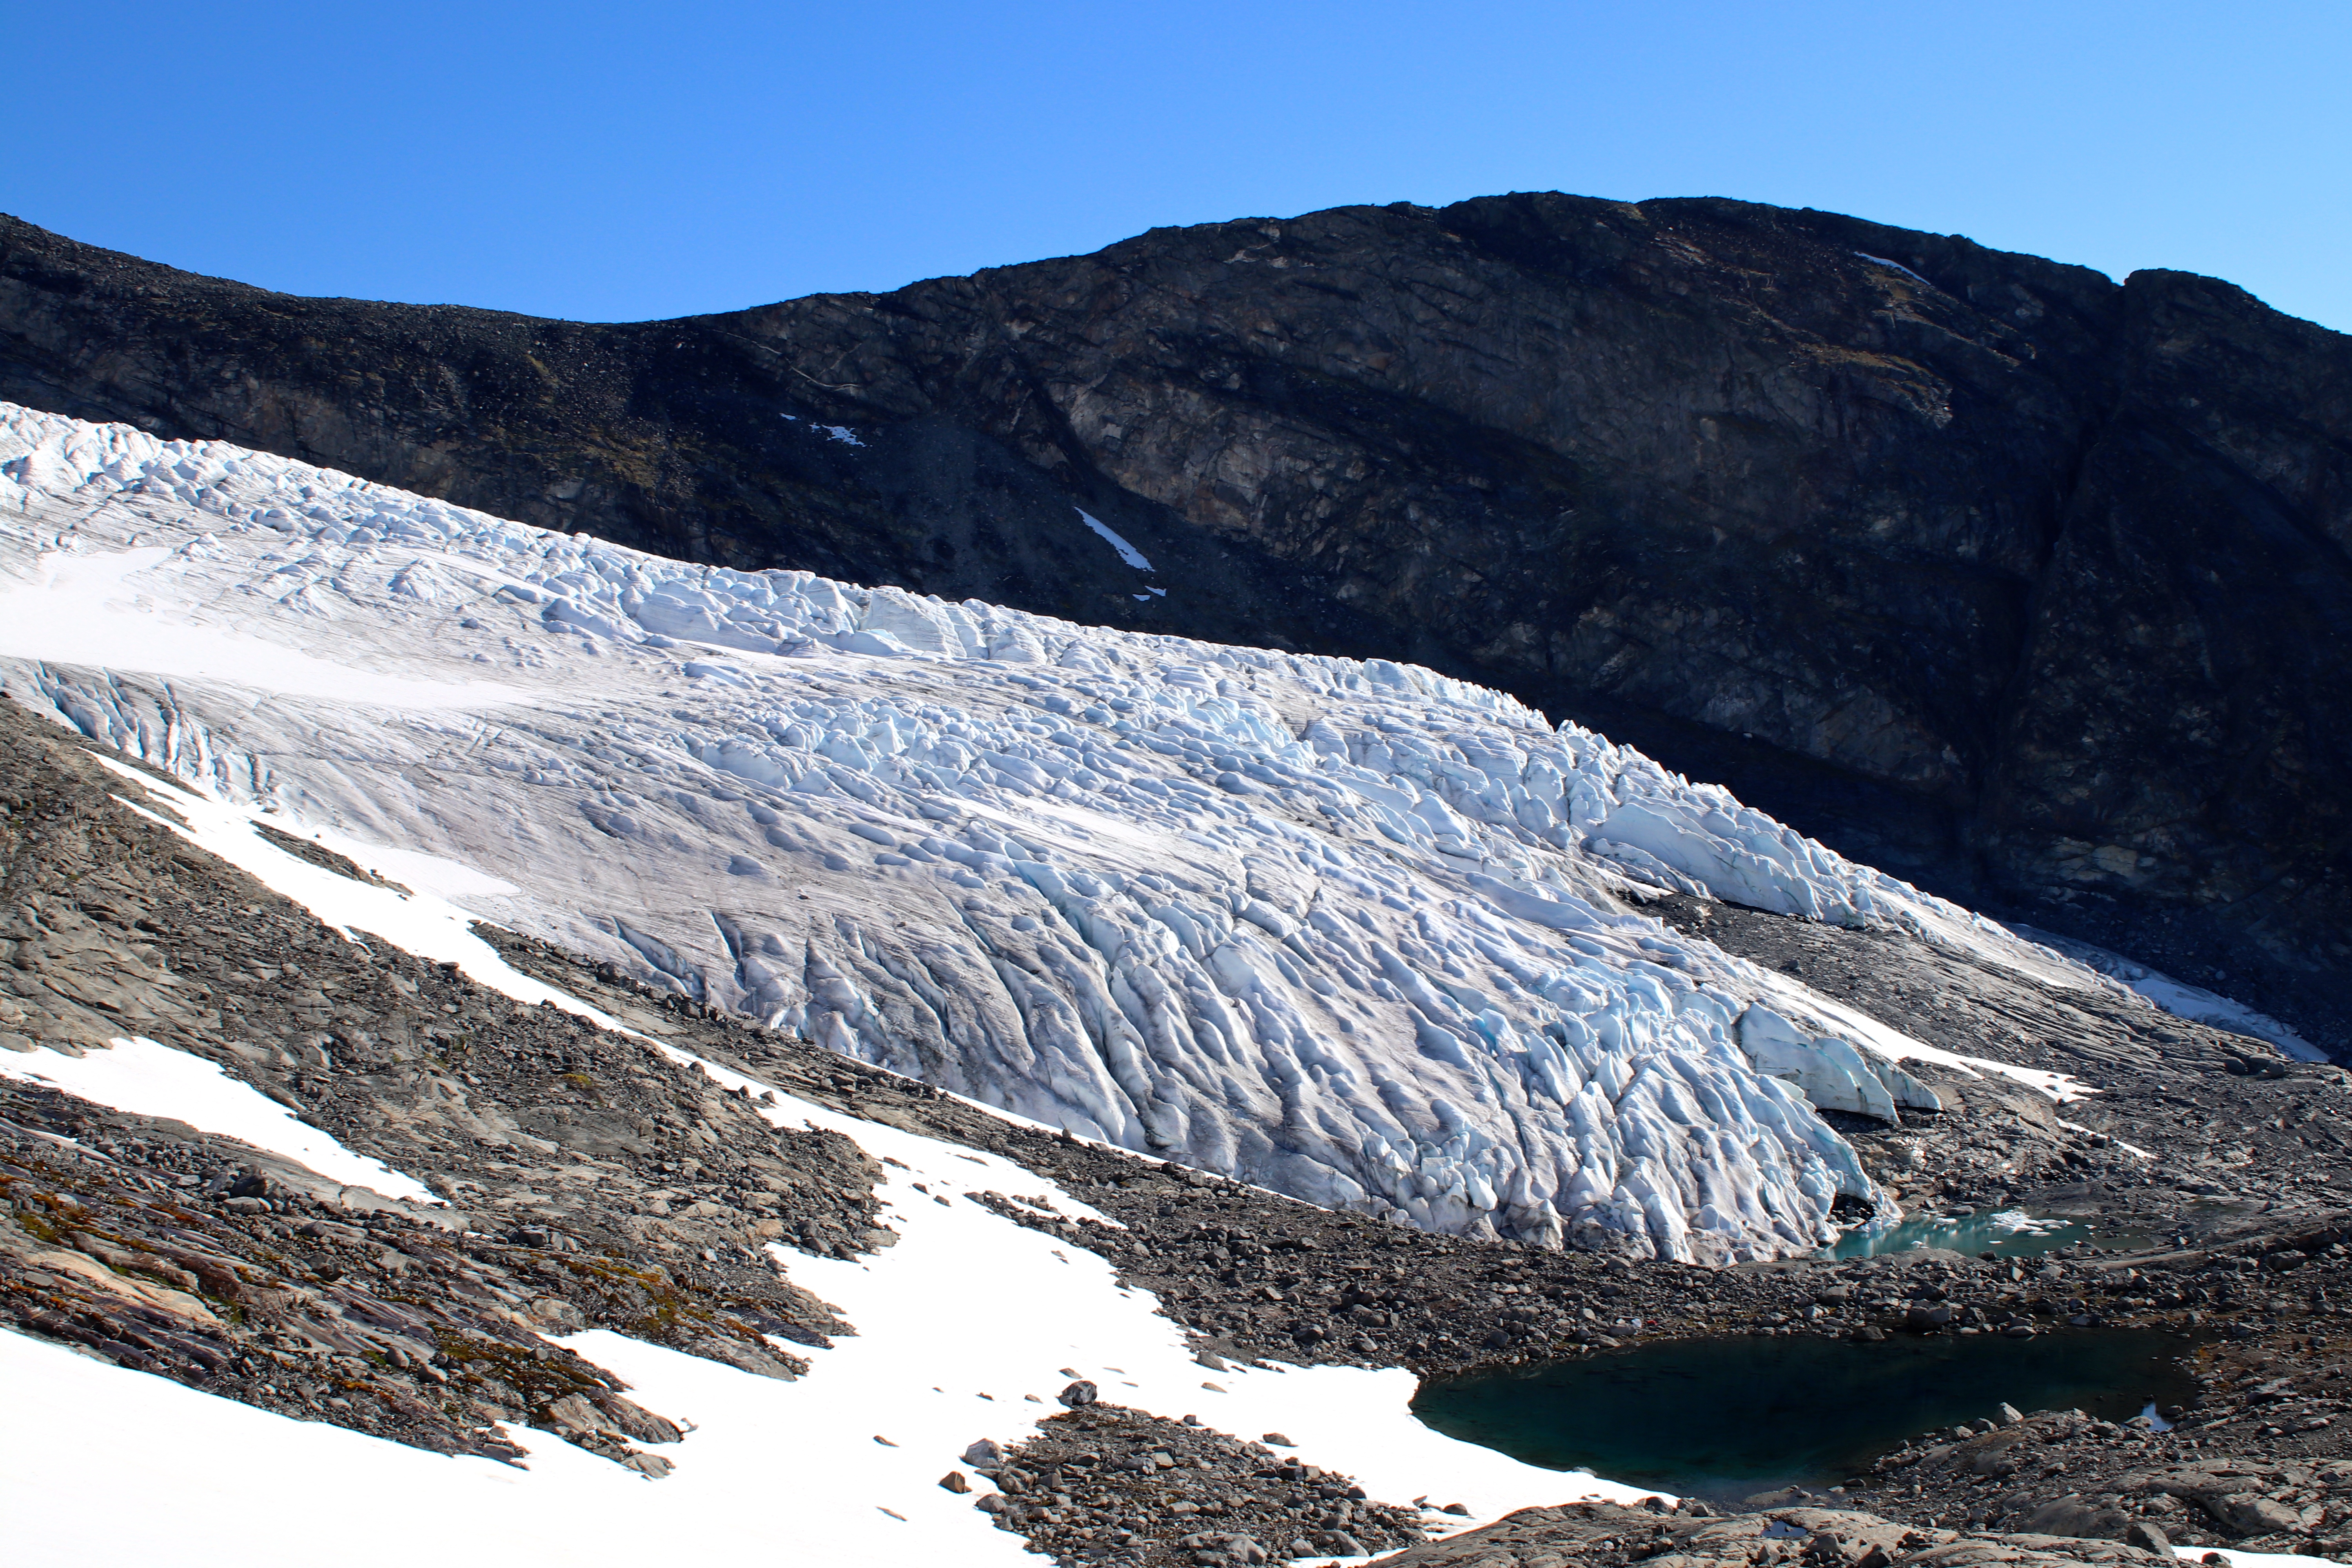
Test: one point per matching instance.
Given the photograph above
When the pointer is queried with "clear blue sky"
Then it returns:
(611, 163)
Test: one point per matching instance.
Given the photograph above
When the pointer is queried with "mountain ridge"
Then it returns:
(2028, 584)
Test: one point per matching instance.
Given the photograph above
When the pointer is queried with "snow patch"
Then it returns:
(2182, 999)
(1893, 1046)
(1893, 266)
(1127, 553)
(966, 1304)
(146, 1078)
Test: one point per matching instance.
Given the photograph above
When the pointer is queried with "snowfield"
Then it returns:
(1345, 930)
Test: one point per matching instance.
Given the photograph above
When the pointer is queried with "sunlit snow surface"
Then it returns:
(1345, 930)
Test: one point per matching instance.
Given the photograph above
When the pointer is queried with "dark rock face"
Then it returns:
(2024, 583)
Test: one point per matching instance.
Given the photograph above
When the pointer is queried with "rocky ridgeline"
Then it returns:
(374, 1321)
(1252, 1281)
(2137, 1480)
(2232, 1292)
(2252, 1459)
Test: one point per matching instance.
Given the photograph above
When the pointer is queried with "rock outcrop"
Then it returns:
(2021, 582)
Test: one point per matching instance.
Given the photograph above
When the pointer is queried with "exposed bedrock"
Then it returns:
(2023, 584)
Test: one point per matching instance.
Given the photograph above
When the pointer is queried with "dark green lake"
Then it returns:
(1725, 1418)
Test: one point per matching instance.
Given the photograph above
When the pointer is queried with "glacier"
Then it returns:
(1351, 931)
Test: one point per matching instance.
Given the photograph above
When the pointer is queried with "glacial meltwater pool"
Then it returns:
(1725, 1418)
(2007, 1233)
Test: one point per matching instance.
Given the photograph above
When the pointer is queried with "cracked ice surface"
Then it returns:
(1348, 930)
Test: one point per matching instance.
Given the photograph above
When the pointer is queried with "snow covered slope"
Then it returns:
(1343, 929)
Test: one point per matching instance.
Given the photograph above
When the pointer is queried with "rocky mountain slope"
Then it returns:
(2026, 585)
